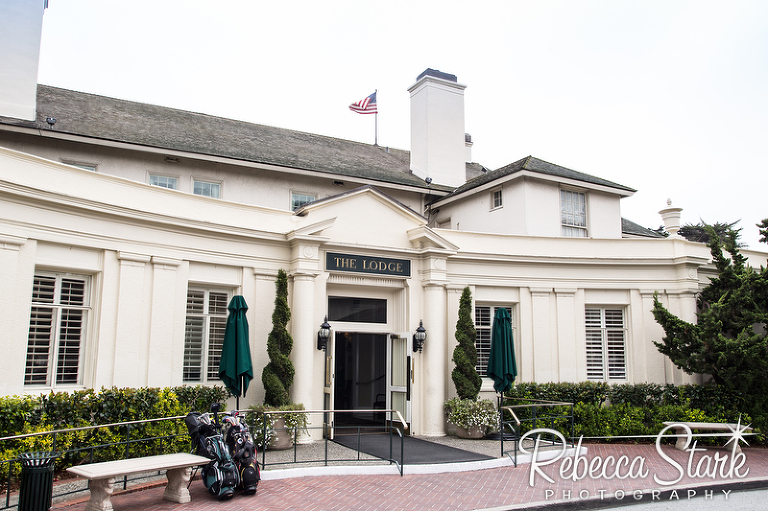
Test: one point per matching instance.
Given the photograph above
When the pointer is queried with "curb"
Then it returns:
(647, 496)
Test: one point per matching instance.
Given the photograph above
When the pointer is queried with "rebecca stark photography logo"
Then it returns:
(716, 467)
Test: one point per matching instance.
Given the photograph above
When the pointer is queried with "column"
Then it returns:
(434, 361)
(302, 330)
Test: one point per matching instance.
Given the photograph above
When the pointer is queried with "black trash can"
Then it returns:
(36, 490)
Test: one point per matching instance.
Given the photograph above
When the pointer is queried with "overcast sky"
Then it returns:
(667, 97)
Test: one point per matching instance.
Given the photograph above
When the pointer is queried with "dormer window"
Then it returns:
(496, 201)
(207, 189)
(164, 181)
(573, 214)
(299, 199)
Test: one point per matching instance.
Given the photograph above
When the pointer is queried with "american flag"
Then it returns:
(365, 106)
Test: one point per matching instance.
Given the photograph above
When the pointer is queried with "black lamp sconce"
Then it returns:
(323, 335)
(418, 338)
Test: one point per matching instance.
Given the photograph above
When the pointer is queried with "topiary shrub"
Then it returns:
(277, 375)
(464, 375)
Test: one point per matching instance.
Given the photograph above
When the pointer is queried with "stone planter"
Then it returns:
(283, 438)
(475, 432)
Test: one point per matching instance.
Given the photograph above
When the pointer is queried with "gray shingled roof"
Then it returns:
(531, 164)
(117, 120)
(630, 227)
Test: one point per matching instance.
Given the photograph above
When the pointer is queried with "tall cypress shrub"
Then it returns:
(277, 375)
(464, 375)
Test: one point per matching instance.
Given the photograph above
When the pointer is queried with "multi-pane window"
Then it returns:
(204, 334)
(207, 189)
(496, 199)
(164, 181)
(606, 344)
(299, 199)
(57, 325)
(484, 315)
(573, 214)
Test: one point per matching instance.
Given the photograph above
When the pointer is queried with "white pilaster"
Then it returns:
(543, 346)
(16, 281)
(566, 348)
(131, 341)
(162, 321)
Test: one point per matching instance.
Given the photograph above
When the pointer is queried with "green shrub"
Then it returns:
(604, 410)
(66, 410)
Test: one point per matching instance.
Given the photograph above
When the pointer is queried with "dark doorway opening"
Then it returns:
(360, 380)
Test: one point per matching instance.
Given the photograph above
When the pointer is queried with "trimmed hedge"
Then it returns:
(62, 410)
(605, 410)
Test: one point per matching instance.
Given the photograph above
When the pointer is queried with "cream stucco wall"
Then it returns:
(529, 207)
(144, 246)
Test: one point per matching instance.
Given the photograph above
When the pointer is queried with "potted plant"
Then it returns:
(281, 429)
(472, 417)
(277, 375)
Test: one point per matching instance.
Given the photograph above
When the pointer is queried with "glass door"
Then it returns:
(399, 377)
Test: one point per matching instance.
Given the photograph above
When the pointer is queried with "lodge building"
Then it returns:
(126, 228)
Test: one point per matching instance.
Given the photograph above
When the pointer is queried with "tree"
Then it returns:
(729, 341)
(464, 375)
(700, 233)
(763, 228)
(277, 375)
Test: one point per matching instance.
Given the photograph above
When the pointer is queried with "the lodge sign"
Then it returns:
(367, 264)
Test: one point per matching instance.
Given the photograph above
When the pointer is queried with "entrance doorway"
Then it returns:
(360, 363)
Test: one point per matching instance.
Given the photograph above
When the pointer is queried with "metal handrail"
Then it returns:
(84, 428)
(534, 405)
(372, 410)
(399, 421)
(396, 422)
(127, 442)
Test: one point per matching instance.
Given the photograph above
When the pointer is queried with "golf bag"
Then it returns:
(220, 476)
(240, 443)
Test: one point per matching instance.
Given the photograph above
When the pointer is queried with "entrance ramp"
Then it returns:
(416, 451)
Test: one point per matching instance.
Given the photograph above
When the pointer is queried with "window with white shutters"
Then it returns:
(57, 325)
(606, 344)
(204, 334)
(484, 315)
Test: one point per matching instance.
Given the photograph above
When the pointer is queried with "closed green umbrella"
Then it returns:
(502, 368)
(236, 366)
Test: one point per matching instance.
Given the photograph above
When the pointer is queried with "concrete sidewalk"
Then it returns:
(480, 485)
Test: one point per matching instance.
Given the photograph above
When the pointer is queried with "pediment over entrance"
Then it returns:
(367, 217)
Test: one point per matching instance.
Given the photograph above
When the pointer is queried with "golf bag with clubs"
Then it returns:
(240, 443)
(220, 476)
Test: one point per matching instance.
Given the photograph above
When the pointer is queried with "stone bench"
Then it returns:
(704, 426)
(102, 476)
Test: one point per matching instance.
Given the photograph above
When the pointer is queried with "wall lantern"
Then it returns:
(323, 335)
(418, 338)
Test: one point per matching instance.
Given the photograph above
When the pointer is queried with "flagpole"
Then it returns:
(376, 120)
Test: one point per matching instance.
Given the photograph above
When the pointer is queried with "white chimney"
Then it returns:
(438, 149)
(21, 26)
